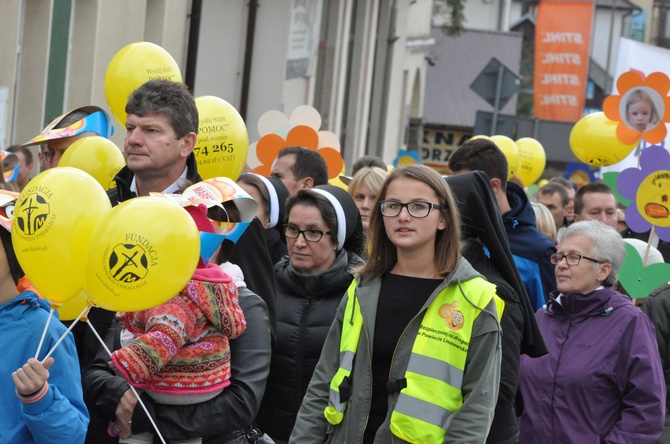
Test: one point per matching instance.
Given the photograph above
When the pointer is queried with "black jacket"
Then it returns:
(657, 307)
(487, 250)
(124, 178)
(306, 307)
(232, 410)
(504, 427)
(252, 257)
(481, 219)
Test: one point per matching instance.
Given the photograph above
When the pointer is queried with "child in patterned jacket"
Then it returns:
(178, 352)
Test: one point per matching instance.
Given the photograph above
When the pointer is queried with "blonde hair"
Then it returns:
(371, 177)
(544, 220)
(640, 95)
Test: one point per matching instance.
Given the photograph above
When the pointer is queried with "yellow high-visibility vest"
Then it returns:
(434, 374)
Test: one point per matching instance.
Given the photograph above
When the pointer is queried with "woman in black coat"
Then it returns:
(323, 235)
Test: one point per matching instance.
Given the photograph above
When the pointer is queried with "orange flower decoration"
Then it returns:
(651, 94)
(269, 145)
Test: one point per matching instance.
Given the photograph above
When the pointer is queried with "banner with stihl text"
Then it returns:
(562, 39)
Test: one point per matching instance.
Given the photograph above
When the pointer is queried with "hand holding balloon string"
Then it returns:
(32, 376)
(89, 222)
(126, 407)
(64, 335)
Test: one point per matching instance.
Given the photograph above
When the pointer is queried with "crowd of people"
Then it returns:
(413, 307)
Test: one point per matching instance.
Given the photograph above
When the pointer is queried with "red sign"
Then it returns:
(562, 39)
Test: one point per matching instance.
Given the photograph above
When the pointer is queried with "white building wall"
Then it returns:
(515, 12)
(414, 21)
(98, 31)
(221, 48)
(481, 14)
(269, 63)
(607, 27)
(30, 77)
(360, 72)
(221, 52)
(100, 28)
(10, 27)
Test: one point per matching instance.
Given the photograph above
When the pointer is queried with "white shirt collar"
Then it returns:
(174, 188)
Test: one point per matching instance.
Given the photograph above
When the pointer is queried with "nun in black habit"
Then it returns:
(487, 249)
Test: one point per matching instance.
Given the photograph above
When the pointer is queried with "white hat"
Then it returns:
(653, 257)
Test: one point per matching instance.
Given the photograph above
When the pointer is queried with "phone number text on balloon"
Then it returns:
(206, 151)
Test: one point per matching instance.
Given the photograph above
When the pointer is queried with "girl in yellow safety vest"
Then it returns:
(414, 352)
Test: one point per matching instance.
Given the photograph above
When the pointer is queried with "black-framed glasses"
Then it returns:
(571, 259)
(415, 208)
(310, 235)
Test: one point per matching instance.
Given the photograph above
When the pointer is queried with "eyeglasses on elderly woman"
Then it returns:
(571, 258)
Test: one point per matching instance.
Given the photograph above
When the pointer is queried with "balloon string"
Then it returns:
(62, 338)
(139, 400)
(44, 332)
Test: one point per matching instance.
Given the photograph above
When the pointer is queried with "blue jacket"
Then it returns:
(60, 416)
(530, 248)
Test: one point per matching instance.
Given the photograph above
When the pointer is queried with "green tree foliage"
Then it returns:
(453, 9)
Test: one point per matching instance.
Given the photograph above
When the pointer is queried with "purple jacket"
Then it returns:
(602, 381)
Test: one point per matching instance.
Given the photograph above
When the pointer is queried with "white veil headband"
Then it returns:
(274, 201)
(339, 212)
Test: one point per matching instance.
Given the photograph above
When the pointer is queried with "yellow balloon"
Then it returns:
(72, 308)
(223, 142)
(131, 67)
(54, 217)
(143, 252)
(98, 156)
(532, 160)
(338, 182)
(593, 140)
(511, 152)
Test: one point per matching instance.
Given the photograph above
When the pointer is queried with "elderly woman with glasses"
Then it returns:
(323, 236)
(602, 381)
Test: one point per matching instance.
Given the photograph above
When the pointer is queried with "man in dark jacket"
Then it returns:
(250, 255)
(531, 249)
(161, 132)
(657, 307)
